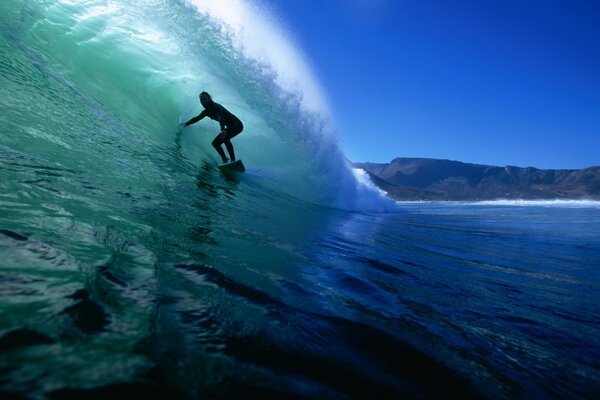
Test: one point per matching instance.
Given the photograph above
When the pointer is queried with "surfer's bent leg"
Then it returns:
(229, 147)
(231, 133)
(217, 141)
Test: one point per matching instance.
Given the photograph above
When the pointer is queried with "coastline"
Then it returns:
(421, 179)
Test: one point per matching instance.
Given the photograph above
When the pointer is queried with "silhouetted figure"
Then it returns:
(231, 126)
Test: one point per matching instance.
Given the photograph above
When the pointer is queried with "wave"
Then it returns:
(138, 68)
(574, 203)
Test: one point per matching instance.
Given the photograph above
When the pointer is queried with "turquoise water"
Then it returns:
(130, 266)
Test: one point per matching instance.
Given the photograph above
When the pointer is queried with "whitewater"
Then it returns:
(131, 266)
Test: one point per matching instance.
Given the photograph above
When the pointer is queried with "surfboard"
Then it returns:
(236, 166)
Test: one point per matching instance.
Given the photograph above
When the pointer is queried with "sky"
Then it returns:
(505, 82)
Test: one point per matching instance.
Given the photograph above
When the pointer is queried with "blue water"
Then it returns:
(131, 266)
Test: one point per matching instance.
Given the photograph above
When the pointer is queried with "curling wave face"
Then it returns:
(132, 71)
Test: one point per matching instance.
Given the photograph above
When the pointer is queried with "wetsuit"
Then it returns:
(229, 123)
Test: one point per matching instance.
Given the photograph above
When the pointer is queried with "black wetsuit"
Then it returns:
(229, 123)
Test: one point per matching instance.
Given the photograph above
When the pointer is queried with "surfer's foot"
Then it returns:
(225, 160)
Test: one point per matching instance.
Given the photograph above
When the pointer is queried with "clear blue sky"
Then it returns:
(505, 82)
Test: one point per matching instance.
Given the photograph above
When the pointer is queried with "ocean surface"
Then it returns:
(131, 266)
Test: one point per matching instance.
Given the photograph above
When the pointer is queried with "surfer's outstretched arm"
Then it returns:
(196, 118)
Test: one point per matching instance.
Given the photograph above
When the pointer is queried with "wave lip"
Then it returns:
(258, 34)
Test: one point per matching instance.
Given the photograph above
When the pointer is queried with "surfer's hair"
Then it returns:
(205, 94)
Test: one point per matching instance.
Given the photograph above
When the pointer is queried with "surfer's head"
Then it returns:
(205, 99)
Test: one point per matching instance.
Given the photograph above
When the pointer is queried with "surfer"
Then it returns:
(231, 126)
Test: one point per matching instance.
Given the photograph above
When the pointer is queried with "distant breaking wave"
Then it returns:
(542, 203)
(518, 203)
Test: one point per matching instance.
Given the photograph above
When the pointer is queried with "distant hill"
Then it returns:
(430, 179)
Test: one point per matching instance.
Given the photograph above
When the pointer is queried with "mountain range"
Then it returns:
(431, 179)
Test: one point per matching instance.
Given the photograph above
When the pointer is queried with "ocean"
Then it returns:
(131, 266)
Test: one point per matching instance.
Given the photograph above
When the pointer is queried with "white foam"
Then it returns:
(543, 203)
(369, 196)
(558, 203)
(258, 34)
